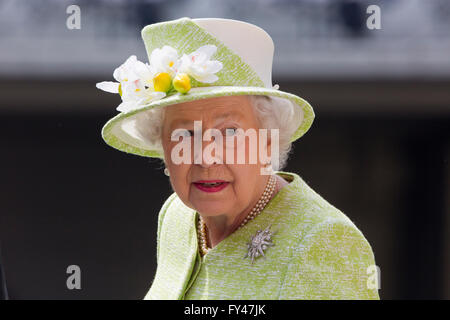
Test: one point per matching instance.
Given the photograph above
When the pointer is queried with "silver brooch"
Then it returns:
(259, 242)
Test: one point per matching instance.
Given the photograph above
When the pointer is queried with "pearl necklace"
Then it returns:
(260, 205)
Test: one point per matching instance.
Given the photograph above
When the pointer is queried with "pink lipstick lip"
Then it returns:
(202, 187)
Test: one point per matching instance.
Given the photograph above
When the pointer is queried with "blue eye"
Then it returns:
(188, 133)
(185, 133)
(230, 131)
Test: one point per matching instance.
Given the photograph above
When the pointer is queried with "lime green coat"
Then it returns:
(318, 254)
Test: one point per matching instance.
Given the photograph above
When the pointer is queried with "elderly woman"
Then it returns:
(236, 226)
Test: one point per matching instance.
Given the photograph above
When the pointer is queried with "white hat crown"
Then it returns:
(250, 42)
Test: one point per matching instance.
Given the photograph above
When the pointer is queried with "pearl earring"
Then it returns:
(166, 172)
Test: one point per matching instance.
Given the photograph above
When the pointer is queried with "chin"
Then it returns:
(210, 208)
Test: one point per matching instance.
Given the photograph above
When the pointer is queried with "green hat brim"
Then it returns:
(116, 137)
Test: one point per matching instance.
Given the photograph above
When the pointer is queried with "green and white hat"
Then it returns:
(192, 59)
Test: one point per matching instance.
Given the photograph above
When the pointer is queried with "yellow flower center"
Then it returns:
(182, 83)
(162, 81)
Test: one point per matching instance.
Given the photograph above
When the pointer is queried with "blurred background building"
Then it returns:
(378, 149)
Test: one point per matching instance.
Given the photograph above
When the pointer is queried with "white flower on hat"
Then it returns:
(136, 94)
(122, 74)
(164, 60)
(198, 64)
(135, 85)
(125, 72)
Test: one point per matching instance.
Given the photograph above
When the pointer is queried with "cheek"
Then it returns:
(244, 179)
(178, 172)
(179, 179)
(179, 152)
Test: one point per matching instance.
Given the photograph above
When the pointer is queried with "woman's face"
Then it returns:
(243, 182)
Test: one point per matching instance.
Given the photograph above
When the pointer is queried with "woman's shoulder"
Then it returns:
(307, 212)
(171, 201)
(170, 210)
(328, 247)
(172, 206)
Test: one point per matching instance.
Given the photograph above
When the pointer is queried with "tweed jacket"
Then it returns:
(319, 253)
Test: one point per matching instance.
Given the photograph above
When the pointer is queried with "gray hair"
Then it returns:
(272, 113)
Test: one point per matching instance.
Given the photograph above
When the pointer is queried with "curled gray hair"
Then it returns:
(272, 113)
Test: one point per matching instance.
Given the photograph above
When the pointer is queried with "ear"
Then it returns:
(268, 149)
